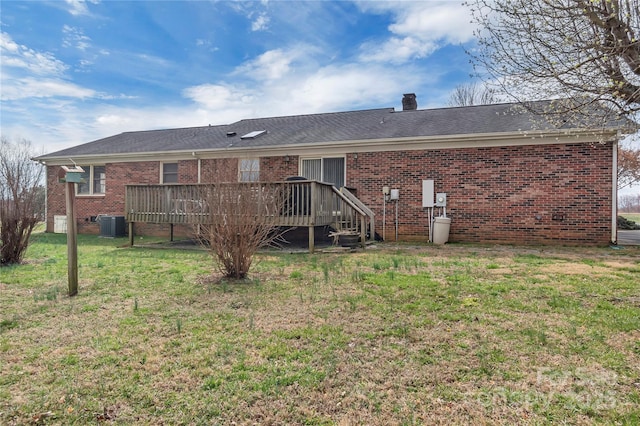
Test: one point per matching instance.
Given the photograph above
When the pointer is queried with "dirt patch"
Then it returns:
(574, 269)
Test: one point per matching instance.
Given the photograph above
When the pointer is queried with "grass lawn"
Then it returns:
(631, 216)
(454, 334)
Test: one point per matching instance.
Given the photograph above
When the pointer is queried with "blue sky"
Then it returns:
(75, 71)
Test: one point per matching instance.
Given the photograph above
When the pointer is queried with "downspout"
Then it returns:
(46, 196)
(199, 169)
(614, 194)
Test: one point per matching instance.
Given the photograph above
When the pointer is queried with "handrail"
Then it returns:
(366, 210)
(348, 201)
(348, 194)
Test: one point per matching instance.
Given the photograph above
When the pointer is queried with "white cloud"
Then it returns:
(447, 21)
(30, 74)
(75, 38)
(397, 50)
(271, 65)
(18, 56)
(419, 28)
(261, 23)
(217, 96)
(323, 90)
(43, 88)
(79, 7)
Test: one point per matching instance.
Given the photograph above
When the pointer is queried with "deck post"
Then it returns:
(131, 236)
(312, 238)
(171, 232)
(312, 207)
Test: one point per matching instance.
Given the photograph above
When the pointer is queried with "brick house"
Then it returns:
(509, 175)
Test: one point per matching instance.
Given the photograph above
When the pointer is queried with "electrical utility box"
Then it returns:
(427, 193)
(441, 199)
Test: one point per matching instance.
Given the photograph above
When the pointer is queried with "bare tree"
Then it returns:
(628, 166)
(20, 199)
(240, 217)
(587, 51)
(629, 203)
(472, 94)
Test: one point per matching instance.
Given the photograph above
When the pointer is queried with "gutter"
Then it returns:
(614, 194)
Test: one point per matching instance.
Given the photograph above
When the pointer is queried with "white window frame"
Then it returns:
(91, 182)
(249, 167)
(162, 174)
(322, 158)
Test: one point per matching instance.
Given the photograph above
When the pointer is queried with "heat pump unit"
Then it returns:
(112, 226)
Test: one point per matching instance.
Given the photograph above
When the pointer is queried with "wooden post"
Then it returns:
(311, 239)
(312, 212)
(131, 234)
(72, 240)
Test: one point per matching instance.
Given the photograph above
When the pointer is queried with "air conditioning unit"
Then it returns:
(112, 226)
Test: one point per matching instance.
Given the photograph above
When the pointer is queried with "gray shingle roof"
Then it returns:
(311, 129)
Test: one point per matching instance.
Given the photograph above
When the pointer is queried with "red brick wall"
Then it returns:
(277, 169)
(112, 202)
(501, 194)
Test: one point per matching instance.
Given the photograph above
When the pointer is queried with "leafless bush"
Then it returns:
(240, 219)
(20, 199)
(629, 203)
(472, 94)
(628, 166)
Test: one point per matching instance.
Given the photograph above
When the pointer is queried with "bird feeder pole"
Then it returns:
(73, 175)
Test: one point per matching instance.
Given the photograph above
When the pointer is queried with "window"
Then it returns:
(249, 170)
(94, 181)
(99, 179)
(169, 172)
(328, 169)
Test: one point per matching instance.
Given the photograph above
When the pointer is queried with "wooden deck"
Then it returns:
(300, 203)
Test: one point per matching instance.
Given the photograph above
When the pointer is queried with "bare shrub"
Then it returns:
(20, 199)
(628, 166)
(472, 94)
(629, 203)
(240, 217)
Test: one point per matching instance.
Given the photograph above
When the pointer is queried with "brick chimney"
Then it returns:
(409, 102)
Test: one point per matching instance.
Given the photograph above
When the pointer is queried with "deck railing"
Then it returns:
(290, 203)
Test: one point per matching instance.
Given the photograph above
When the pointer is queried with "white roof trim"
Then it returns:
(479, 140)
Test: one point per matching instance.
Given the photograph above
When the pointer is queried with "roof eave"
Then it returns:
(478, 140)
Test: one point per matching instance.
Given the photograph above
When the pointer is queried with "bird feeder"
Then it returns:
(72, 175)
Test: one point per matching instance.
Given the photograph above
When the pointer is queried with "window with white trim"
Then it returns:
(325, 169)
(169, 172)
(94, 181)
(249, 170)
